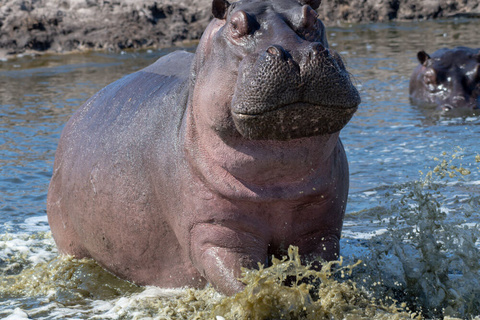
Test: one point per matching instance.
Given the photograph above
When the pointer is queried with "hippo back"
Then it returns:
(115, 139)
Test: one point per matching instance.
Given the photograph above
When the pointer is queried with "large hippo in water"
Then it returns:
(448, 79)
(200, 164)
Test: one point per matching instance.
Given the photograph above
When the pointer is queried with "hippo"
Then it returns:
(448, 79)
(199, 165)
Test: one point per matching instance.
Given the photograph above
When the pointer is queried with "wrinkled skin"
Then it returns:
(184, 172)
(448, 79)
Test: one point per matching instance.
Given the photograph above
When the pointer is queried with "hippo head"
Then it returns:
(448, 79)
(264, 71)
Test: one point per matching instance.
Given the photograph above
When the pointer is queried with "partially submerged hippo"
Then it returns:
(448, 79)
(184, 172)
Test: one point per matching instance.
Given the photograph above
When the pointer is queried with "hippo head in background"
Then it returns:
(448, 79)
(271, 59)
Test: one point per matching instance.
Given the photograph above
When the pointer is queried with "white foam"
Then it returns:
(17, 314)
(366, 234)
(402, 126)
(473, 182)
(36, 224)
(125, 305)
(471, 119)
(27, 248)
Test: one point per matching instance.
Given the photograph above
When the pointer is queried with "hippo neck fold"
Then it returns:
(258, 169)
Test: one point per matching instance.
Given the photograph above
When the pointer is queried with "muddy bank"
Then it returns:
(363, 11)
(69, 25)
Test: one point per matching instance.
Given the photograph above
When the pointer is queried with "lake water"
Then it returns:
(412, 216)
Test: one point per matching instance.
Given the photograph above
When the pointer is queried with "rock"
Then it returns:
(68, 25)
(362, 11)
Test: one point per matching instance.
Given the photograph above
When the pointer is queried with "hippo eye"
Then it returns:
(430, 77)
(472, 78)
(240, 24)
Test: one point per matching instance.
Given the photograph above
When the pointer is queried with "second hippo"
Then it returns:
(448, 79)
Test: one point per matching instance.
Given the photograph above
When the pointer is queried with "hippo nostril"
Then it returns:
(319, 48)
(273, 50)
(276, 51)
(317, 51)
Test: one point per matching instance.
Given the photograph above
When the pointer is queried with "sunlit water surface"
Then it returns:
(411, 219)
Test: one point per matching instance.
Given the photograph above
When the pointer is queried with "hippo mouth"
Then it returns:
(292, 121)
(278, 97)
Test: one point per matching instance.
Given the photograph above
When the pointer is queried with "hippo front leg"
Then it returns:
(219, 253)
(320, 247)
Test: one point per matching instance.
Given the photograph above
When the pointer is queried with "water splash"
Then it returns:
(66, 280)
(426, 264)
(266, 296)
(84, 289)
(321, 297)
(18, 251)
(429, 257)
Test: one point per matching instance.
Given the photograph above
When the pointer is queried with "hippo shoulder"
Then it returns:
(175, 64)
(155, 94)
(139, 111)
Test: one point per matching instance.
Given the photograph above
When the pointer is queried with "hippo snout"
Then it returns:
(311, 52)
(285, 94)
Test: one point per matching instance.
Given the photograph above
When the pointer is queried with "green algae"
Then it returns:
(322, 296)
(66, 280)
(312, 295)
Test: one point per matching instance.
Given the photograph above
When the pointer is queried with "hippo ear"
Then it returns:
(219, 8)
(312, 3)
(422, 57)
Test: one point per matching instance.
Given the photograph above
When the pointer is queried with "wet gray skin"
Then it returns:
(448, 79)
(184, 172)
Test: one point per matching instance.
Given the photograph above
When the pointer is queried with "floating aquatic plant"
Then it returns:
(285, 290)
(312, 294)
(66, 280)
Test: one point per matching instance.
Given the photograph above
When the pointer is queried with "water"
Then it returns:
(412, 215)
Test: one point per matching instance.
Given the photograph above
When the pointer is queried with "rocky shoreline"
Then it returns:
(61, 26)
